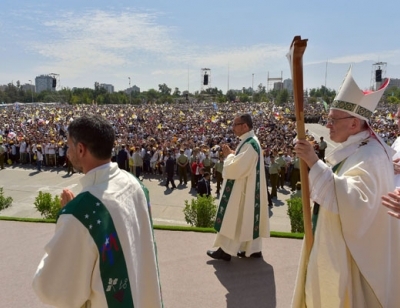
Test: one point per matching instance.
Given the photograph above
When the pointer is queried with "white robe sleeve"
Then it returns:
(63, 277)
(322, 188)
(241, 165)
(354, 188)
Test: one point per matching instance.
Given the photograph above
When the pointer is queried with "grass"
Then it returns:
(161, 227)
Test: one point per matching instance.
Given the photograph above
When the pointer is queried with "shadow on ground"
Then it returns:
(249, 282)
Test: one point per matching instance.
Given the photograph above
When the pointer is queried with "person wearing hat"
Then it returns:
(137, 162)
(219, 167)
(274, 170)
(242, 217)
(182, 161)
(353, 233)
(282, 172)
(207, 162)
(39, 158)
(61, 154)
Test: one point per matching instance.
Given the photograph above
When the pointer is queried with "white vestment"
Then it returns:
(70, 275)
(236, 231)
(354, 261)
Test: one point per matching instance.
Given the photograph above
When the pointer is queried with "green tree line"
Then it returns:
(15, 93)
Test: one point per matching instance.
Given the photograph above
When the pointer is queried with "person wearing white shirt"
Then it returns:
(22, 152)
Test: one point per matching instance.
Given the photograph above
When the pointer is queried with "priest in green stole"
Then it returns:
(103, 252)
(242, 218)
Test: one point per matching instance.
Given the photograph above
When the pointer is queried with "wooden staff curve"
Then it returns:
(295, 56)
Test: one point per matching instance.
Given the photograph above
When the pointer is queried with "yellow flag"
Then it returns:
(287, 111)
(159, 126)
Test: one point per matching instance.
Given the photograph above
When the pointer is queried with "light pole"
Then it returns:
(252, 88)
(130, 91)
(31, 90)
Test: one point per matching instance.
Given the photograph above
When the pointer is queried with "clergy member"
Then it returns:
(354, 261)
(242, 218)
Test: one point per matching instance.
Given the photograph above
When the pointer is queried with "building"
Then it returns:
(288, 85)
(45, 83)
(133, 89)
(108, 87)
(278, 85)
(28, 87)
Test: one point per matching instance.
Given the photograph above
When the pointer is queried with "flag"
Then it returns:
(159, 126)
(287, 111)
(325, 105)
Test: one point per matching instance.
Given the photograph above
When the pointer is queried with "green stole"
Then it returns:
(93, 214)
(228, 190)
(314, 219)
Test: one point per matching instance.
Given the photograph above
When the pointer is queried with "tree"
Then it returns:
(176, 93)
(230, 95)
(261, 89)
(283, 96)
(152, 95)
(163, 89)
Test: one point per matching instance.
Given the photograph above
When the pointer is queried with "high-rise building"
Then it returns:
(28, 87)
(288, 85)
(45, 83)
(132, 89)
(109, 87)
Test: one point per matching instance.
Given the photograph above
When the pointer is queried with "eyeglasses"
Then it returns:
(236, 124)
(332, 121)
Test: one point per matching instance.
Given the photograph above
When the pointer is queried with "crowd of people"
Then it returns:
(147, 135)
(255, 146)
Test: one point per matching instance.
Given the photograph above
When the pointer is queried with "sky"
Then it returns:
(147, 43)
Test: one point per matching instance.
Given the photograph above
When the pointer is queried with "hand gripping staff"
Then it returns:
(295, 57)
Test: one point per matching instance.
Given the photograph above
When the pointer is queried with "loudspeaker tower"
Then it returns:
(378, 75)
(205, 78)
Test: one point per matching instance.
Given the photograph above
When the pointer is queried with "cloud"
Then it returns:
(98, 39)
(242, 58)
(386, 56)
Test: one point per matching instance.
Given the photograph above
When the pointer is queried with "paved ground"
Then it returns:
(189, 278)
